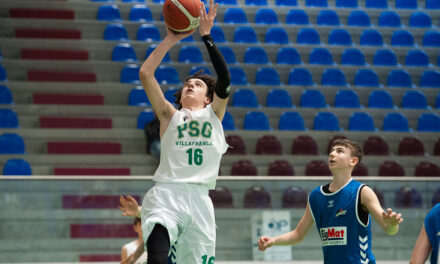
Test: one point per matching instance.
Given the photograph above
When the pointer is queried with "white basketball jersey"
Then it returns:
(191, 148)
(131, 248)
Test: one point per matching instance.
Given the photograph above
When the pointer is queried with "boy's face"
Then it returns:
(340, 157)
(195, 89)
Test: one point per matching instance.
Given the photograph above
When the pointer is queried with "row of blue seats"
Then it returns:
(323, 121)
(285, 55)
(279, 35)
(309, 98)
(382, 4)
(297, 76)
(357, 18)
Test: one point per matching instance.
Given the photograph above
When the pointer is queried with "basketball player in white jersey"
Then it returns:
(129, 248)
(178, 208)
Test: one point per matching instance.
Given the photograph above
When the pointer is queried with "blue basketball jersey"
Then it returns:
(432, 227)
(345, 239)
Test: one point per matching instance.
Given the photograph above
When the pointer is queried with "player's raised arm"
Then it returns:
(218, 62)
(389, 220)
(161, 106)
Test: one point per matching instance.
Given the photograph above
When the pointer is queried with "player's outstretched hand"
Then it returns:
(128, 205)
(177, 36)
(392, 218)
(207, 19)
(265, 242)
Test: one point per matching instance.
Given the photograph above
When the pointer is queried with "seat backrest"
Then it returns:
(148, 32)
(320, 56)
(17, 167)
(238, 76)
(360, 170)
(385, 57)
(268, 145)
(427, 169)
(431, 39)
(430, 79)
(327, 17)
(359, 18)
(280, 168)
(108, 13)
(278, 98)
(326, 121)
(235, 15)
(391, 168)
(227, 2)
(138, 97)
(312, 98)
(255, 55)
(294, 197)
(376, 145)
(245, 98)
(395, 122)
(286, 2)
(300, 76)
(411, 146)
(429, 122)
(361, 121)
(228, 54)
(8, 119)
(416, 58)
(5, 95)
(402, 38)
(347, 3)
(308, 36)
(333, 77)
(371, 37)
(170, 95)
(115, 32)
(317, 3)
(408, 4)
(420, 19)
(347, 98)
(256, 2)
(228, 122)
(256, 121)
(415, 100)
(380, 99)
(432, 4)
(297, 17)
(218, 35)
(190, 54)
(243, 168)
(257, 197)
(376, 3)
(304, 145)
(339, 37)
(267, 76)
(352, 57)
(221, 197)
(291, 121)
(237, 146)
(11, 143)
(266, 16)
(408, 197)
(399, 78)
(124, 52)
(140, 13)
(167, 75)
(130, 74)
(276, 35)
(144, 117)
(317, 168)
(288, 55)
(389, 19)
(245, 35)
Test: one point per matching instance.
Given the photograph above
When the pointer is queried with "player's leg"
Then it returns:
(158, 245)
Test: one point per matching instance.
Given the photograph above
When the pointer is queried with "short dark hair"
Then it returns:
(356, 150)
(136, 220)
(208, 80)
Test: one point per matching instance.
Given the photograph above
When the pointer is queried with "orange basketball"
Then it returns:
(182, 15)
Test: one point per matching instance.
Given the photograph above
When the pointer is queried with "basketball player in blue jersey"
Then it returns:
(429, 239)
(178, 207)
(341, 212)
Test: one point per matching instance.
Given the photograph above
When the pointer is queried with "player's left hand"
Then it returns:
(128, 205)
(392, 218)
(207, 19)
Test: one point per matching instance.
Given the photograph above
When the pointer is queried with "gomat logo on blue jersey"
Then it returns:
(333, 236)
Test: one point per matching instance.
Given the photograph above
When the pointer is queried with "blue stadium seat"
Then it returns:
(300, 76)
(430, 79)
(420, 19)
(228, 54)
(266, 16)
(3, 76)
(352, 57)
(407, 4)
(144, 117)
(190, 54)
(140, 13)
(170, 95)
(124, 52)
(326, 121)
(188, 39)
(291, 121)
(347, 3)
(361, 121)
(437, 101)
(402, 38)
(148, 32)
(380, 99)
(288, 55)
(308, 36)
(297, 17)
(320, 56)
(228, 122)
(5, 95)
(11, 143)
(130, 74)
(417, 57)
(327, 17)
(267, 76)
(339, 37)
(396, 122)
(366, 77)
(150, 49)
(431, 38)
(256, 121)
(238, 76)
(134, 1)
(359, 18)
(432, 4)
(8, 119)
(278, 98)
(286, 2)
(414, 100)
(218, 35)
(313, 98)
(235, 15)
(317, 3)
(347, 98)
(17, 167)
(255, 55)
(376, 3)
(245, 98)
(276, 35)
(167, 75)
(256, 2)
(429, 122)
(195, 69)
(108, 13)
(384, 57)
(389, 19)
(371, 37)
(227, 2)
(138, 97)
(115, 32)
(333, 77)
(399, 78)
(245, 35)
